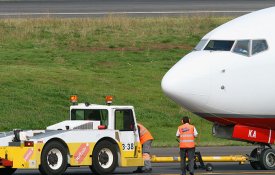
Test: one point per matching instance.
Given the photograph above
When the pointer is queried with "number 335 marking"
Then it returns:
(128, 146)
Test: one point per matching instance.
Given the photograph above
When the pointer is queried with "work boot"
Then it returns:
(139, 170)
(147, 170)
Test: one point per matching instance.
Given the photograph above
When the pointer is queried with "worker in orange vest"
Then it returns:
(186, 134)
(146, 140)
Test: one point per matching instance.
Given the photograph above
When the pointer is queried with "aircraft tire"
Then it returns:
(105, 158)
(7, 171)
(54, 159)
(267, 159)
(255, 164)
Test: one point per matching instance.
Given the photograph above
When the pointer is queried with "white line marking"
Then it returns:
(270, 133)
(119, 13)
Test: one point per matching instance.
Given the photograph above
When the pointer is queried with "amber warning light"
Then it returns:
(73, 98)
(109, 100)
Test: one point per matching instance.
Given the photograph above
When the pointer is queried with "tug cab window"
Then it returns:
(259, 46)
(219, 45)
(242, 47)
(124, 120)
(90, 114)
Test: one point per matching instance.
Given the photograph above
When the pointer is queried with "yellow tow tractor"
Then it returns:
(99, 136)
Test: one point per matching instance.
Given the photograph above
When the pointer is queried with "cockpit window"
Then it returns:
(242, 47)
(258, 46)
(201, 45)
(219, 45)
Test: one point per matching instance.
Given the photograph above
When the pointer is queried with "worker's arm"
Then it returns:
(195, 132)
(178, 134)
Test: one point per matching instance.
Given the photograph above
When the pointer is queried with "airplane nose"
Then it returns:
(188, 82)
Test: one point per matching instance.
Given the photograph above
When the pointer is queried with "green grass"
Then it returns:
(44, 61)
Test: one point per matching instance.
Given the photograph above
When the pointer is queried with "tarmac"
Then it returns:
(174, 168)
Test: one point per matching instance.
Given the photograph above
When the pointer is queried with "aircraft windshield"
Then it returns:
(219, 45)
(259, 46)
(242, 47)
(250, 47)
(201, 45)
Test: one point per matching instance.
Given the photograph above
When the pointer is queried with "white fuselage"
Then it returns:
(227, 84)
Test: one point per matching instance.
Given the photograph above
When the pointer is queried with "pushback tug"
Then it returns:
(99, 136)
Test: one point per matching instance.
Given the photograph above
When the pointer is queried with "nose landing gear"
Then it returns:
(263, 158)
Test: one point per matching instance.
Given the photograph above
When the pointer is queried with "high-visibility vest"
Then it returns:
(144, 134)
(187, 138)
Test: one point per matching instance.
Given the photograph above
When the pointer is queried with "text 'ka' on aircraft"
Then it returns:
(229, 79)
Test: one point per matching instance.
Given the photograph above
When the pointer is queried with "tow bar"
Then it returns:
(201, 159)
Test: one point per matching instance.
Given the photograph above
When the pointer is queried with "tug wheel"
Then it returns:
(105, 158)
(53, 159)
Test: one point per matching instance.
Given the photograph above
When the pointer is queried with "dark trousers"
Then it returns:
(191, 156)
(146, 149)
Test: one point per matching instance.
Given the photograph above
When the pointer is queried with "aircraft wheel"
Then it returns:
(7, 171)
(53, 159)
(105, 158)
(267, 159)
(255, 164)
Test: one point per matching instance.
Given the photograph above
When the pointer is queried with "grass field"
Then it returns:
(43, 61)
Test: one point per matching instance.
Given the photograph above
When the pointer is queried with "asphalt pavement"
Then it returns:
(174, 168)
(87, 8)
